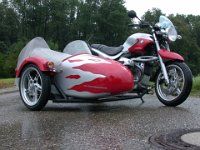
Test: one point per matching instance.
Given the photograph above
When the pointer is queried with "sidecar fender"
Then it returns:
(167, 55)
(41, 63)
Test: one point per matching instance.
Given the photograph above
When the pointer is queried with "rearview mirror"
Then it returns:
(132, 14)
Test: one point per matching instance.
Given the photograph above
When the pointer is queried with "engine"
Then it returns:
(141, 68)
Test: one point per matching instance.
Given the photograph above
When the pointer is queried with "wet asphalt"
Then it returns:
(114, 125)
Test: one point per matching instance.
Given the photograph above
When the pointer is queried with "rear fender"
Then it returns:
(167, 55)
(41, 63)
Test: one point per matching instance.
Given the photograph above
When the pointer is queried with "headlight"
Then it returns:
(171, 33)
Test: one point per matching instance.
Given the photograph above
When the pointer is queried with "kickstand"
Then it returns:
(141, 95)
(142, 99)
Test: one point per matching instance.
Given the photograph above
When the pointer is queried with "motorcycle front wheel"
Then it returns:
(179, 87)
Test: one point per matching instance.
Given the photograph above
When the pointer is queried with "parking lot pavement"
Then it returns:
(114, 125)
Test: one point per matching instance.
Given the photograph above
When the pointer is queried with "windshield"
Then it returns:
(165, 22)
(168, 26)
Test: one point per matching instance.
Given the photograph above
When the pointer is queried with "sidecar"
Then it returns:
(73, 76)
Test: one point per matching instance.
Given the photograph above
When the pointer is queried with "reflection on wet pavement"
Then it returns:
(116, 125)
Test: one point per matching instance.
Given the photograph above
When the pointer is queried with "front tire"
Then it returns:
(179, 88)
(35, 87)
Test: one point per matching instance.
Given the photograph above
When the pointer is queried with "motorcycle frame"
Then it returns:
(120, 97)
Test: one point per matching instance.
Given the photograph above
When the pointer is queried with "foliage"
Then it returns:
(95, 21)
(2, 59)
(196, 86)
(6, 83)
(11, 57)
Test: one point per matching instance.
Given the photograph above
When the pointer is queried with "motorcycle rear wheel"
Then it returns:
(179, 88)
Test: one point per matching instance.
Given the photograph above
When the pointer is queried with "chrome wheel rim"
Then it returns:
(176, 83)
(31, 86)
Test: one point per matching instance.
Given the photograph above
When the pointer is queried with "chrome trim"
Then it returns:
(142, 59)
(126, 61)
(31, 86)
(179, 37)
(145, 59)
(163, 68)
(176, 85)
(167, 46)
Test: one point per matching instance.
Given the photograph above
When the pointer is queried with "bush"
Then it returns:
(6, 83)
(2, 63)
(12, 56)
(53, 45)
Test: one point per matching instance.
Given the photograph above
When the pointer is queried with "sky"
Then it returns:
(167, 6)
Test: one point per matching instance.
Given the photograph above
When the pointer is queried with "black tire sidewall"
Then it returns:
(46, 88)
(186, 89)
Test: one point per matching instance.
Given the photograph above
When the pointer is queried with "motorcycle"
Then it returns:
(77, 76)
(150, 59)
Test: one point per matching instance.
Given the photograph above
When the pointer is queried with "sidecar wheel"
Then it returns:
(180, 85)
(34, 88)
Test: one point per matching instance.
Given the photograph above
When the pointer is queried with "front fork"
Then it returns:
(163, 67)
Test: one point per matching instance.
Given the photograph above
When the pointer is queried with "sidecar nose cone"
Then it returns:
(90, 77)
(121, 79)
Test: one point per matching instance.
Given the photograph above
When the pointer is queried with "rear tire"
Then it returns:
(179, 88)
(35, 87)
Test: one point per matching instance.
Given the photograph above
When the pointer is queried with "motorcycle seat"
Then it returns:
(112, 51)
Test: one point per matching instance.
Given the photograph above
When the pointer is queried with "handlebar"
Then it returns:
(141, 25)
(133, 25)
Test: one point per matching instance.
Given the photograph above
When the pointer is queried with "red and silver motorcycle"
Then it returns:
(76, 75)
(149, 58)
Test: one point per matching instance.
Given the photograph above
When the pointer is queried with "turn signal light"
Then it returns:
(51, 65)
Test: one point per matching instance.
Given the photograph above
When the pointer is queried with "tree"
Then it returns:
(152, 16)
(101, 21)
(11, 58)
(112, 21)
(8, 26)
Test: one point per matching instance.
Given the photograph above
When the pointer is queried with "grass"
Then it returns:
(6, 83)
(196, 86)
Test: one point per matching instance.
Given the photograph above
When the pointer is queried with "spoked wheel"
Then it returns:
(179, 87)
(34, 88)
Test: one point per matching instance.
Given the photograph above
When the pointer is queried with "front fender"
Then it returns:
(40, 62)
(167, 55)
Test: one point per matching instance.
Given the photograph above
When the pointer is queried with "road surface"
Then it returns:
(115, 125)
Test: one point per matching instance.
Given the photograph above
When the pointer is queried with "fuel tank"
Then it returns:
(137, 43)
(87, 76)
